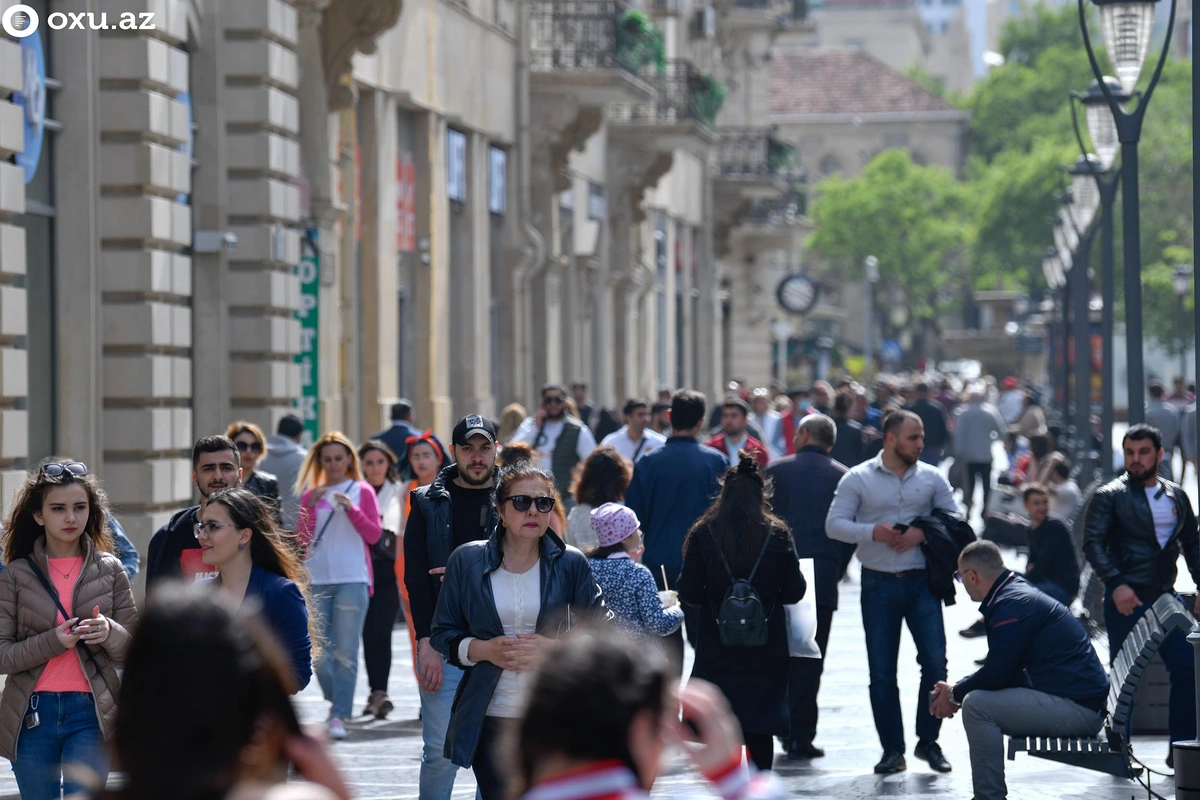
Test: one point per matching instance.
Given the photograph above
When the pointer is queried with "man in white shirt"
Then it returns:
(559, 441)
(1065, 496)
(768, 421)
(635, 439)
(1012, 402)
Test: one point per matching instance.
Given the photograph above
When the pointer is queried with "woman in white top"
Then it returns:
(338, 523)
(502, 603)
(604, 477)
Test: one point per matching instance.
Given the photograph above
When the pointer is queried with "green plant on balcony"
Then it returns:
(782, 157)
(639, 42)
(708, 95)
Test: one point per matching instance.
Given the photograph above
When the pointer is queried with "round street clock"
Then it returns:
(796, 294)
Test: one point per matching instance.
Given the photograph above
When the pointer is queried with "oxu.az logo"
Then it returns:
(21, 20)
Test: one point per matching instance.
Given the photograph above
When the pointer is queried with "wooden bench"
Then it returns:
(1108, 751)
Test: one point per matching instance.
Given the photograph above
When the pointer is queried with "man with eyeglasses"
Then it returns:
(559, 441)
(453, 510)
(174, 551)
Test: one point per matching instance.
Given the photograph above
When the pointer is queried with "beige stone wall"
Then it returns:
(831, 143)
(13, 323)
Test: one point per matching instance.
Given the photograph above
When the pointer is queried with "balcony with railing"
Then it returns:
(753, 161)
(685, 104)
(591, 50)
(787, 211)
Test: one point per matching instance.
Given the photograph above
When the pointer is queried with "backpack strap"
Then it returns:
(761, 554)
(720, 555)
(50, 590)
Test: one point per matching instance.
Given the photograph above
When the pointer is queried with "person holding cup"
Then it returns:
(639, 609)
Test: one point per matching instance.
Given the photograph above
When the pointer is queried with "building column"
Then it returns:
(708, 324)
(433, 278)
(477, 358)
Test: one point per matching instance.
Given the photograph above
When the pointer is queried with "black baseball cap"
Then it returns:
(473, 425)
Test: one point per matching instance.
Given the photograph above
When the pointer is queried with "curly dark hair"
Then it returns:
(602, 478)
(22, 529)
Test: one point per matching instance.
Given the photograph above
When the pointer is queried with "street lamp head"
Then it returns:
(871, 266)
(1128, 26)
(1066, 234)
(1101, 125)
(1181, 279)
(1085, 192)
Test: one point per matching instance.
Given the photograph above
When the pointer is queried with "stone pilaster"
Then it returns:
(14, 440)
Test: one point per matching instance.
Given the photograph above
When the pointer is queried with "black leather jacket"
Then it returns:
(466, 607)
(1120, 544)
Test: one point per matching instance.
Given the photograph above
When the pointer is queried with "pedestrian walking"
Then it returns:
(232, 731)
(1066, 499)
(735, 435)
(660, 419)
(977, 426)
(639, 610)
(339, 521)
(767, 420)
(379, 468)
(736, 545)
(589, 412)
(874, 504)
(1032, 420)
(504, 602)
(425, 457)
(284, 458)
(934, 419)
(455, 509)
(804, 487)
(510, 422)
(849, 449)
(66, 611)
(559, 440)
(1012, 401)
(602, 715)
(1165, 417)
(1041, 676)
(252, 446)
(240, 538)
(174, 551)
(396, 437)
(636, 438)
(671, 488)
(604, 479)
(1136, 528)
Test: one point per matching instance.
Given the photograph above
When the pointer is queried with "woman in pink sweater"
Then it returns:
(338, 523)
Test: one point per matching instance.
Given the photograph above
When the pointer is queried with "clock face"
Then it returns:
(797, 294)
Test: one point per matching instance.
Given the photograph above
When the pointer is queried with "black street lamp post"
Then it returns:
(1181, 281)
(1056, 280)
(1078, 213)
(1128, 26)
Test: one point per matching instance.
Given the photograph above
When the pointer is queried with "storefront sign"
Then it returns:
(32, 99)
(406, 203)
(309, 272)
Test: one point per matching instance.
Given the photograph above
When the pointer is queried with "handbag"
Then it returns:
(802, 618)
(384, 548)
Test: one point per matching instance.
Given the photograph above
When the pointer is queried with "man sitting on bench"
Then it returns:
(1041, 676)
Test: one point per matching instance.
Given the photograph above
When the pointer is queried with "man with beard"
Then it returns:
(174, 551)
(873, 505)
(1136, 527)
(559, 441)
(453, 510)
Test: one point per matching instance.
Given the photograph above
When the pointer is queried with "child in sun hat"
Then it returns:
(629, 588)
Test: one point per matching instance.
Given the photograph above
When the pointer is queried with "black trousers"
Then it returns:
(377, 627)
(761, 748)
(982, 472)
(804, 681)
(491, 769)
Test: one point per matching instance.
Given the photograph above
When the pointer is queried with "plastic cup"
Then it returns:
(669, 598)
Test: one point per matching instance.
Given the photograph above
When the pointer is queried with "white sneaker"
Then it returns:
(337, 730)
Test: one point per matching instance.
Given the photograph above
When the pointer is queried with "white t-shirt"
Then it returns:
(631, 449)
(528, 433)
(338, 556)
(1162, 508)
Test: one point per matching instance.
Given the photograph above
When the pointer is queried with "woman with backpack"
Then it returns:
(739, 569)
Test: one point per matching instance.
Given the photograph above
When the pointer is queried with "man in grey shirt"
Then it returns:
(874, 503)
(285, 457)
(1165, 417)
(978, 425)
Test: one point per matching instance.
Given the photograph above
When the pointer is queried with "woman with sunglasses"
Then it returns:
(252, 446)
(338, 523)
(239, 536)
(66, 609)
(503, 603)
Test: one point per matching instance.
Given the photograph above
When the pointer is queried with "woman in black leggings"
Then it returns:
(379, 467)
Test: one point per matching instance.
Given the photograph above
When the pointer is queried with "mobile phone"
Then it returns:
(900, 526)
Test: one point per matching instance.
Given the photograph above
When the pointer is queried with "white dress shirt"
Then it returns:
(633, 449)
(551, 430)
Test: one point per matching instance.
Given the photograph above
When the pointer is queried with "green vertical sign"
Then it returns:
(309, 272)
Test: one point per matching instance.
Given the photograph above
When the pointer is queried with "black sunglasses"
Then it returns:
(252, 446)
(54, 469)
(522, 502)
(554, 399)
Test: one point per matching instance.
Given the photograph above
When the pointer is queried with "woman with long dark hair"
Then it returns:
(738, 538)
(603, 478)
(238, 536)
(231, 731)
(379, 468)
(66, 610)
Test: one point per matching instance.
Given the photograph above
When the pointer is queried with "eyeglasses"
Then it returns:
(522, 502)
(553, 400)
(54, 469)
(209, 528)
(958, 576)
(253, 447)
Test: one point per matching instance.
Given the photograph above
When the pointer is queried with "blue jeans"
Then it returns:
(67, 746)
(887, 601)
(340, 609)
(437, 771)
(1176, 654)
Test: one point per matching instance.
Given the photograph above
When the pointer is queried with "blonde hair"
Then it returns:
(313, 474)
(510, 419)
(236, 429)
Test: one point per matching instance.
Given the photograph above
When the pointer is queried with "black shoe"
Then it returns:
(891, 763)
(931, 752)
(975, 631)
(797, 750)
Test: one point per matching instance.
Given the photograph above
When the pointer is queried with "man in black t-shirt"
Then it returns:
(453, 510)
(1053, 566)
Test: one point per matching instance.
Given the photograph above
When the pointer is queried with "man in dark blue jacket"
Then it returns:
(397, 436)
(804, 487)
(671, 488)
(1041, 676)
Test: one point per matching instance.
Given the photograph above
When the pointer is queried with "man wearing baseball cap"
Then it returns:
(453, 510)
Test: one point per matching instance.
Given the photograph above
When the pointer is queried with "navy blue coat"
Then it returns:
(1035, 643)
(282, 604)
(671, 488)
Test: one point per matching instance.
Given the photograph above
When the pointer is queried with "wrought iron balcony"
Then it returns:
(577, 36)
(781, 212)
(683, 95)
(755, 154)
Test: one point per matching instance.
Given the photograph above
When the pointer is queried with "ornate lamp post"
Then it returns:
(1079, 212)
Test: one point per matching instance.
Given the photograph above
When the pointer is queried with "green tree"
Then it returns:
(1026, 37)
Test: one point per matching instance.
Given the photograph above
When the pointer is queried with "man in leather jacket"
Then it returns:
(1136, 527)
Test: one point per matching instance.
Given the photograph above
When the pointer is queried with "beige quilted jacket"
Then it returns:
(27, 640)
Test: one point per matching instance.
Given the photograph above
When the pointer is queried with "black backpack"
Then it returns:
(742, 618)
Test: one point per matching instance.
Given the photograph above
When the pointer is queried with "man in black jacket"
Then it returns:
(453, 510)
(1053, 566)
(933, 417)
(1041, 676)
(804, 487)
(174, 551)
(397, 436)
(1135, 529)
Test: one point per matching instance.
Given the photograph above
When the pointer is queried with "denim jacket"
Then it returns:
(466, 607)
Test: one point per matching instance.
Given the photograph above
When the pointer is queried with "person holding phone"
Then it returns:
(66, 608)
